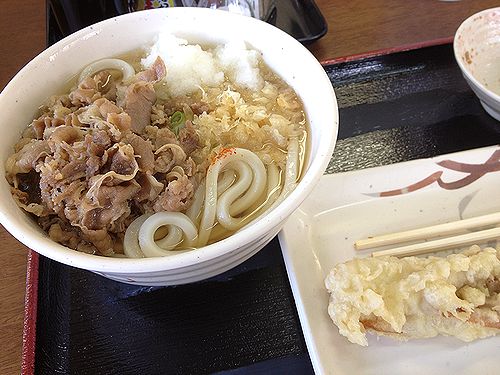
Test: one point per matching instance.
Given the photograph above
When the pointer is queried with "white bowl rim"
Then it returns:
(96, 263)
(458, 58)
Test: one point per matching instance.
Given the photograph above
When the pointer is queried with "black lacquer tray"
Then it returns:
(394, 106)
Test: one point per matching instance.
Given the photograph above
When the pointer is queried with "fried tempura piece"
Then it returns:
(417, 297)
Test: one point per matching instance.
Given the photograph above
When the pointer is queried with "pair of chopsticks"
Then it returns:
(473, 235)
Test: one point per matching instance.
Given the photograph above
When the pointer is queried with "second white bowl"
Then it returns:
(477, 51)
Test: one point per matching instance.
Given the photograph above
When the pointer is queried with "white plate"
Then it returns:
(346, 207)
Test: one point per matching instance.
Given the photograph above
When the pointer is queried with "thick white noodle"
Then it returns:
(242, 179)
(247, 187)
(210, 207)
(172, 239)
(273, 186)
(246, 176)
(225, 180)
(131, 246)
(147, 231)
(107, 64)
(227, 204)
(193, 212)
(291, 171)
(273, 182)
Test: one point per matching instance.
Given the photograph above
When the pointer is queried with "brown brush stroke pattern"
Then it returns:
(473, 171)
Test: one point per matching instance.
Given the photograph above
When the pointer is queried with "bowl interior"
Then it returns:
(49, 73)
(477, 48)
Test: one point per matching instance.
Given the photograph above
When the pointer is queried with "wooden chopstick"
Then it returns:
(442, 243)
(428, 232)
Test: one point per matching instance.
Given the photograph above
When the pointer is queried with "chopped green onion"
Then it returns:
(177, 121)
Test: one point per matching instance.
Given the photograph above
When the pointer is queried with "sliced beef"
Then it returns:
(188, 138)
(101, 85)
(155, 73)
(101, 239)
(106, 107)
(121, 120)
(66, 134)
(139, 100)
(26, 159)
(123, 161)
(176, 197)
(90, 164)
(113, 204)
(163, 136)
(150, 187)
(143, 149)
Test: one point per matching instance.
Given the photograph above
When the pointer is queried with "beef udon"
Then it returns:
(160, 151)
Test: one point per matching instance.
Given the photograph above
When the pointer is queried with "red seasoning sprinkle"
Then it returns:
(222, 154)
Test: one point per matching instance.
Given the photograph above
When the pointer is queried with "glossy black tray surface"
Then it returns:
(393, 108)
(403, 106)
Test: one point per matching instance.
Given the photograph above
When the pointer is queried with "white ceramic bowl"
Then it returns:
(48, 72)
(477, 51)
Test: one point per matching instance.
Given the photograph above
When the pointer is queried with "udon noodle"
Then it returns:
(162, 153)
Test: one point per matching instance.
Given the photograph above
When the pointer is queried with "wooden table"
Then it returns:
(355, 26)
